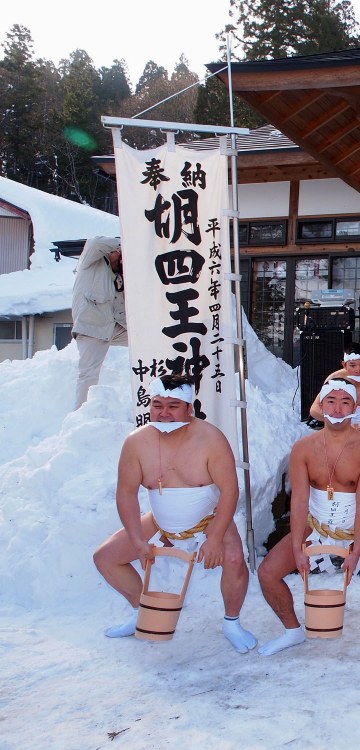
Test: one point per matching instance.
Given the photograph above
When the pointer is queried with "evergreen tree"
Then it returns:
(268, 29)
(184, 85)
(281, 28)
(152, 72)
(79, 125)
(213, 107)
(18, 48)
(159, 98)
(21, 91)
(45, 167)
(114, 86)
(329, 26)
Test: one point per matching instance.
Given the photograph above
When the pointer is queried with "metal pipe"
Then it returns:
(24, 337)
(31, 336)
(240, 348)
(119, 122)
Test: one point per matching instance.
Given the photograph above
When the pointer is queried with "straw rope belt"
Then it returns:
(324, 530)
(201, 526)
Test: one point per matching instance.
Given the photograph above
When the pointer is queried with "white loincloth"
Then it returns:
(336, 513)
(178, 509)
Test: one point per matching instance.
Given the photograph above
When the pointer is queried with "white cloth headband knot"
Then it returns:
(349, 357)
(182, 392)
(337, 385)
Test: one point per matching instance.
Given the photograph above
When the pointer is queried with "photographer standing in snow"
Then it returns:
(98, 309)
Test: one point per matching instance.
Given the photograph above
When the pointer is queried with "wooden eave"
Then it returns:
(278, 167)
(106, 164)
(258, 166)
(313, 100)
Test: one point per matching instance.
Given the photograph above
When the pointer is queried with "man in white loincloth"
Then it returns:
(350, 371)
(325, 499)
(188, 468)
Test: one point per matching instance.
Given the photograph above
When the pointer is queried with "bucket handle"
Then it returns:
(324, 549)
(188, 557)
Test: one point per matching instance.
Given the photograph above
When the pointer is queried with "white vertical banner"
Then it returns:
(175, 255)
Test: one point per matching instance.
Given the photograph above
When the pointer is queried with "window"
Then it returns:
(10, 330)
(347, 229)
(271, 232)
(62, 335)
(315, 230)
(328, 230)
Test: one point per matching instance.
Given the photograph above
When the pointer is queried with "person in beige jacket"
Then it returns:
(98, 309)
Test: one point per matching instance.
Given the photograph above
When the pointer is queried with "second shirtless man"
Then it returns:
(325, 502)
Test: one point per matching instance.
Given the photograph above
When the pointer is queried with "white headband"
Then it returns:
(337, 385)
(353, 355)
(182, 392)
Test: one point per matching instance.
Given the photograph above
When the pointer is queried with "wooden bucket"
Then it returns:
(324, 608)
(159, 611)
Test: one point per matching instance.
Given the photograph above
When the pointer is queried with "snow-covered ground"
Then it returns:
(66, 686)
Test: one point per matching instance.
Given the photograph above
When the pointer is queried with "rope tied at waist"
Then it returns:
(324, 529)
(201, 526)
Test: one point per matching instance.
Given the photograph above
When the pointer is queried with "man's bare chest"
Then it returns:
(174, 464)
(339, 469)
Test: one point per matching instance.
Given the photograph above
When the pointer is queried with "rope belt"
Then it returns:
(324, 530)
(201, 526)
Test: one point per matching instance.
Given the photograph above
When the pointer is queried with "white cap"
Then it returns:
(183, 392)
(337, 385)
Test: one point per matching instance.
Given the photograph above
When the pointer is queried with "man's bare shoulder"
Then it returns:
(139, 436)
(313, 442)
(338, 374)
(207, 428)
(210, 435)
(355, 438)
(306, 443)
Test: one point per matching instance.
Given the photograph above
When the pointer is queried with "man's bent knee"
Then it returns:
(99, 558)
(265, 572)
(234, 560)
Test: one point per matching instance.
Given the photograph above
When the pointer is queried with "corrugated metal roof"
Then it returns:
(266, 138)
(296, 62)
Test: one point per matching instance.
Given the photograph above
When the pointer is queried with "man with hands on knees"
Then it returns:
(325, 501)
(188, 468)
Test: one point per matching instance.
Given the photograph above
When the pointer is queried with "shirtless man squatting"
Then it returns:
(325, 482)
(188, 468)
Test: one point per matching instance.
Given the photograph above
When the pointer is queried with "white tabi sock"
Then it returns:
(241, 639)
(291, 637)
(128, 628)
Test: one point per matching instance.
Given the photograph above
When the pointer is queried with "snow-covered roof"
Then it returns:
(47, 286)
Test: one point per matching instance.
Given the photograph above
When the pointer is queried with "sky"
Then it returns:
(136, 33)
(62, 683)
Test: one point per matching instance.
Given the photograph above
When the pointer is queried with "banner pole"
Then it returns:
(240, 347)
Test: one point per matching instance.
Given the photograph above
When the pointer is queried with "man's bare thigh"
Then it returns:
(119, 549)
(280, 560)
